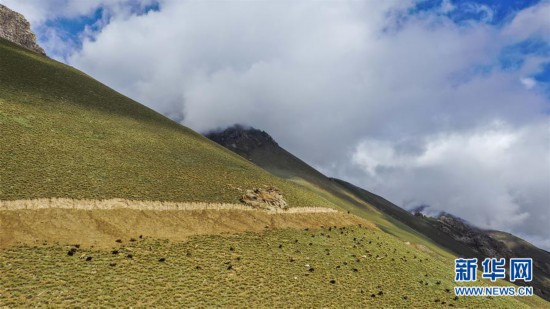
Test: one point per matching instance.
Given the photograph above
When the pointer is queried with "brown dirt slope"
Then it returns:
(102, 225)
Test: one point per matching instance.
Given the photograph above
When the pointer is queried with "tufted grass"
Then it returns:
(267, 269)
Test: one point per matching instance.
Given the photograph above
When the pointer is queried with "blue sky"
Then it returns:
(465, 13)
(72, 29)
(502, 11)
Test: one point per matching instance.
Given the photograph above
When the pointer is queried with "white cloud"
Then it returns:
(531, 21)
(495, 176)
(528, 82)
(398, 105)
(484, 12)
(447, 6)
(57, 42)
(39, 11)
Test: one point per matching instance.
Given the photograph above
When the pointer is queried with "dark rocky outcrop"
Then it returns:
(472, 236)
(15, 28)
(241, 139)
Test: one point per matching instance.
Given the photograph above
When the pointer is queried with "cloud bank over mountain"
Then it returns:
(429, 102)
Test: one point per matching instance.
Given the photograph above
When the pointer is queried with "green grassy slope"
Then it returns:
(386, 215)
(398, 214)
(66, 135)
(259, 148)
(428, 227)
(522, 248)
(278, 268)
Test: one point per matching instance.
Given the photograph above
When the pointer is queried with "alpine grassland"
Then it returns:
(107, 203)
(66, 135)
(339, 266)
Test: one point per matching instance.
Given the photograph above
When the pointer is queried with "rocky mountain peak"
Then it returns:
(14, 27)
(242, 139)
(474, 237)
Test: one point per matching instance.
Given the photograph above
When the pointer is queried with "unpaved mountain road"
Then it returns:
(99, 223)
(109, 204)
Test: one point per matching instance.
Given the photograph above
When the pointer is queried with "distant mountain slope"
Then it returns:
(522, 247)
(66, 135)
(417, 224)
(489, 243)
(258, 147)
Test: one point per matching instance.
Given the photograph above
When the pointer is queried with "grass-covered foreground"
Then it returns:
(340, 267)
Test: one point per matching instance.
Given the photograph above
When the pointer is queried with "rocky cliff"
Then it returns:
(241, 139)
(473, 237)
(15, 28)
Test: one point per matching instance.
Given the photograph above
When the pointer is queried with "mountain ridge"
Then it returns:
(447, 230)
(95, 155)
